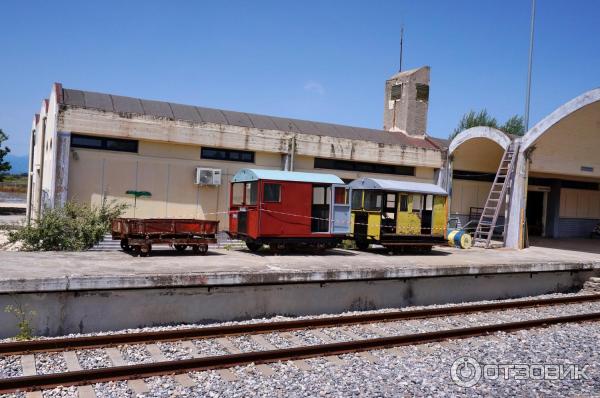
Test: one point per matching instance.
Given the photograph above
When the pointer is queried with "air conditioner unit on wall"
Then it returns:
(206, 176)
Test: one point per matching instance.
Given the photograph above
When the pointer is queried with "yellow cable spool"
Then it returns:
(459, 238)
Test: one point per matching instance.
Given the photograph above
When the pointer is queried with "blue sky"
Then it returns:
(317, 60)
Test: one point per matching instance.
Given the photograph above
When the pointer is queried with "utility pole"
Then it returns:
(528, 93)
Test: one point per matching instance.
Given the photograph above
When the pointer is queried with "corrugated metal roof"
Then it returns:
(120, 104)
(394, 185)
(278, 175)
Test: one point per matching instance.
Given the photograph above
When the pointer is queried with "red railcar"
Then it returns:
(286, 208)
(138, 235)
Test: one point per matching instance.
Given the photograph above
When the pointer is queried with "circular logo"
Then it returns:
(465, 372)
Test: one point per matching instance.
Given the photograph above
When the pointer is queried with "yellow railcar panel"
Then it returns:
(440, 215)
(408, 223)
(374, 227)
(352, 223)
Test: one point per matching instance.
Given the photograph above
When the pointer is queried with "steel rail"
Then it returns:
(61, 344)
(31, 383)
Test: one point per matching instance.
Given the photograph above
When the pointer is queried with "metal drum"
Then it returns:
(459, 238)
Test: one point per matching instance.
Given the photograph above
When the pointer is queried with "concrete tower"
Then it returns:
(406, 102)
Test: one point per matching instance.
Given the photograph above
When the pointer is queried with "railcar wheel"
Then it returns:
(145, 250)
(136, 250)
(125, 245)
(426, 249)
(253, 246)
(362, 245)
(180, 248)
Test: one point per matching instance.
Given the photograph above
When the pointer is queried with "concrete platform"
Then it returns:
(94, 291)
(60, 271)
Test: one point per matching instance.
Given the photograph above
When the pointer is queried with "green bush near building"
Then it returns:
(73, 227)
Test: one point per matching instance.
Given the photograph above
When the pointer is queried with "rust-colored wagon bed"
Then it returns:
(138, 235)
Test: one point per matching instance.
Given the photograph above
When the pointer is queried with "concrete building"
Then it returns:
(88, 146)
(556, 188)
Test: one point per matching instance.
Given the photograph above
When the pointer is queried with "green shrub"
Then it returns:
(24, 317)
(72, 227)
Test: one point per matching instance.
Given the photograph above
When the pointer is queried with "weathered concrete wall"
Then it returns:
(100, 310)
(406, 113)
(87, 121)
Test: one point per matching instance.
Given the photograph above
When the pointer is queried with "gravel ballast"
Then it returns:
(422, 370)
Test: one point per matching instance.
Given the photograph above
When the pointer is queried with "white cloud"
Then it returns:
(314, 87)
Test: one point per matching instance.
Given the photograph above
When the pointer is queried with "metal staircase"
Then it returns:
(497, 196)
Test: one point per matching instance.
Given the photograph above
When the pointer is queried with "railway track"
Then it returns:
(265, 356)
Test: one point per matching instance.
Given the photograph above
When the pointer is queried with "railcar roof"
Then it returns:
(400, 186)
(278, 175)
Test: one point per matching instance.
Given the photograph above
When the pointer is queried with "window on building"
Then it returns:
(357, 199)
(372, 200)
(104, 143)
(396, 93)
(335, 164)
(227, 154)
(272, 193)
(422, 92)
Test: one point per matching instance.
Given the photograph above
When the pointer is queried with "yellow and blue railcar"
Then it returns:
(398, 214)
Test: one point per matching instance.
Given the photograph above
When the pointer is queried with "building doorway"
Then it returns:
(535, 213)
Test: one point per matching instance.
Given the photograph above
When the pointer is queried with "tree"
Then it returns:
(514, 125)
(4, 165)
(472, 119)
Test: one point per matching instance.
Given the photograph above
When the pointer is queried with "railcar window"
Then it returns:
(403, 202)
(372, 200)
(357, 199)
(429, 202)
(341, 196)
(272, 193)
(417, 203)
(321, 195)
(390, 200)
(251, 192)
(237, 193)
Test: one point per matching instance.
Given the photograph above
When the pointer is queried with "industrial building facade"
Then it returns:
(88, 146)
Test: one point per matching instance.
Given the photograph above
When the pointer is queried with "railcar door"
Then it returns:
(388, 213)
(320, 209)
(340, 210)
(427, 215)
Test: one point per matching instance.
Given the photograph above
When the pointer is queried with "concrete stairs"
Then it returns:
(223, 242)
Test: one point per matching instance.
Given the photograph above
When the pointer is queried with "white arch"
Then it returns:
(560, 113)
(490, 133)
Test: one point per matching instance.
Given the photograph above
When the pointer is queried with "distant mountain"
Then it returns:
(20, 164)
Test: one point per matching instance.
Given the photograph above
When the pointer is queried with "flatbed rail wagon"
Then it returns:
(138, 235)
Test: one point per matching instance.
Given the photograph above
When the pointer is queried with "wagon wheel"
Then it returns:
(200, 249)
(145, 250)
(180, 248)
(253, 246)
(362, 245)
(125, 245)
(136, 250)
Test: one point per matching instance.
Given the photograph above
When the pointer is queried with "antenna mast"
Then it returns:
(528, 93)
(401, 46)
